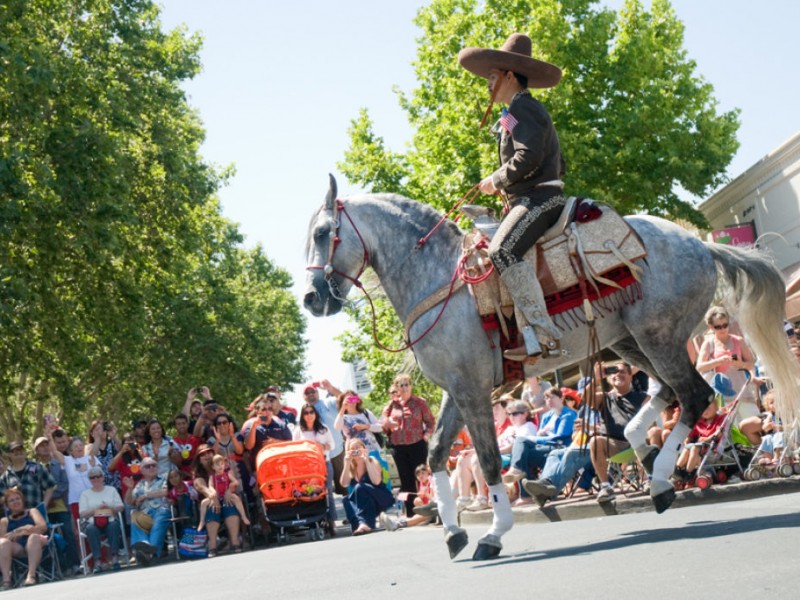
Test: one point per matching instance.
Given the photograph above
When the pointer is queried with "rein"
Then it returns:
(456, 281)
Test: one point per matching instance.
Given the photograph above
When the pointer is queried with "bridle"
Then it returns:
(334, 240)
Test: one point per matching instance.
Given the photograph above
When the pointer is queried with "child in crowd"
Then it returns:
(771, 433)
(180, 493)
(222, 481)
(425, 497)
(698, 442)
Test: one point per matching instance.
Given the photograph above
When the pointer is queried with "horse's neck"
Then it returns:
(409, 275)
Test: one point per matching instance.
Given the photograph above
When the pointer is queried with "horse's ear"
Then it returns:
(331, 197)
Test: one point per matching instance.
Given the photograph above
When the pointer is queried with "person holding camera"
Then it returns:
(357, 422)
(368, 495)
(127, 463)
(265, 429)
(193, 407)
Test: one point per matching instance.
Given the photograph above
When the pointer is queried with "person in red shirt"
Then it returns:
(698, 442)
(186, 442)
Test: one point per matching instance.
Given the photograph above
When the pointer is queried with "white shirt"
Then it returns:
(90, 500)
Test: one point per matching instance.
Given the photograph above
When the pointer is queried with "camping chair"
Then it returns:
(625, 472)
(49, 568)
(83, 542)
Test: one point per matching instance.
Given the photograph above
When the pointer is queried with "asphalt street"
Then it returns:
(741, 549)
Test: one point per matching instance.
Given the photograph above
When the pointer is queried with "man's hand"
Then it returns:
(486, 186)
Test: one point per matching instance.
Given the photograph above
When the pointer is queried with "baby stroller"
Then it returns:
(726, 456)
(765, 464)
(291, 477)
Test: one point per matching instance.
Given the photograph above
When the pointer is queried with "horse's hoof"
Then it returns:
(649, 460)
(664, 500)
(486, 551)
(456, 541)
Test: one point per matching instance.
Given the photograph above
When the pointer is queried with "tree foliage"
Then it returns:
(637, 124)
(121, 283)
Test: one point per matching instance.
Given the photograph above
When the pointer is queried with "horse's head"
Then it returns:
(335, 254)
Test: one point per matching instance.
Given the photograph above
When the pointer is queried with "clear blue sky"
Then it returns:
(281, 82)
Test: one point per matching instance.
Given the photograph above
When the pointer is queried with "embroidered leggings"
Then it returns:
(527, 221)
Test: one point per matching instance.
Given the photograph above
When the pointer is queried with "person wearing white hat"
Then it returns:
(150, 519)
(529, 177)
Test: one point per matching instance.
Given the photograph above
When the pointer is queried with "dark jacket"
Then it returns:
(530, 153)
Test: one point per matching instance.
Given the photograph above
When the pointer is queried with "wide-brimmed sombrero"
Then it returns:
(515, 55)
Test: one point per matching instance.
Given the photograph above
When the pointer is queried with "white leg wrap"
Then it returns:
(503, 518)
(444, 500)
(665, 463)
(636, 429)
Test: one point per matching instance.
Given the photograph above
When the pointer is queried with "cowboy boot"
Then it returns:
(524, 287)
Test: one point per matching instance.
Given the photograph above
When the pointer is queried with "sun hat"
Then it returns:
(515, 56)
(722, 385)
(39, 441)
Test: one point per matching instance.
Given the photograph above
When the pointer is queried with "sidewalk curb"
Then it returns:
(565, 510)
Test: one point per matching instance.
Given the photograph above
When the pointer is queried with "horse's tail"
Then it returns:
(754, 291)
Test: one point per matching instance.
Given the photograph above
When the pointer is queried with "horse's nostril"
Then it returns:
(309, 298)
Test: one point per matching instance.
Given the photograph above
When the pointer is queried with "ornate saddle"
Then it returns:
(589, 254)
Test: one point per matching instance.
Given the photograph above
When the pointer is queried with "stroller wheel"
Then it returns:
(721, 476)
(785, 470)
(796, 468)
(755, 474)
(703, 482)
(748, 474)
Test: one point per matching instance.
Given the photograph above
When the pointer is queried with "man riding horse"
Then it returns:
(529, 176)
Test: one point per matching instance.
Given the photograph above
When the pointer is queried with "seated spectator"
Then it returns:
(150, 518)
(699, 440)
(103, 444)
(533, 392)
(355, 421)
(529, 452)
(100, 507)
(424, 503)
(228, 442)
(607, 438)
(218, 511)
(161, 448)
(368, 495)
(462, 442)
(185, 442)
(772, 442)
(22, 533)
(312, 428)
(180, 494)
(266, 429)
(657, 435)
(225, 484)
(57, 509)
(572, 398)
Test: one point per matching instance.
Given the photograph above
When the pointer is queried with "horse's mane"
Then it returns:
(422, 217)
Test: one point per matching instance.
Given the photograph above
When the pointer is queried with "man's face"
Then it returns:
(196, 409)
(43, 452)
(181, 426)
(17, 454)
(311, 396)
(61, 443)
(621, 380)
(210, 411)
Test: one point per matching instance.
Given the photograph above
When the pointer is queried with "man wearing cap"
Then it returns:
(204, 428)
(148, 497)
(57, 510)
(265, 429)
(33, 480)
(327, 411)
(287, 414)
(529, 176)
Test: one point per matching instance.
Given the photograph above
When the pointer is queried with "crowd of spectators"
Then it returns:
(550, 439)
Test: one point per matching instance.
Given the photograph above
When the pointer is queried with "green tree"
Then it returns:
(637, 124)
(121, 285)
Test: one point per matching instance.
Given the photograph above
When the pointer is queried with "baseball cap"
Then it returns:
(14, 445)
(40, 440)
(308, 388)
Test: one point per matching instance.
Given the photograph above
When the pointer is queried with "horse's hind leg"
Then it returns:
(636, 430)
(448, 425)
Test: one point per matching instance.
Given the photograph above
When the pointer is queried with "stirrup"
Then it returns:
(531, 348)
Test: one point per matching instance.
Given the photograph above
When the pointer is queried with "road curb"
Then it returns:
(569, 510)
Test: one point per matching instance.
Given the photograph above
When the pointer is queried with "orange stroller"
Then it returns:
(291, 477)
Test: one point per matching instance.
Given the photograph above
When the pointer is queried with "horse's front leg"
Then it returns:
(485, 440)
(447, 427)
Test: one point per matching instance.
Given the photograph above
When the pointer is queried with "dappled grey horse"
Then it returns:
(679, 281)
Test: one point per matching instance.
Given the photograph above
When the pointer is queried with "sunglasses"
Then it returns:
(95, 477)
(222, 422)
(148, 466)
(516, 413)
(308, 412)
(264, 409)
(721, 326)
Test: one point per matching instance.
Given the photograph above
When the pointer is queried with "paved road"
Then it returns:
(743, 549)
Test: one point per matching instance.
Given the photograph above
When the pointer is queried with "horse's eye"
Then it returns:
(322, 232)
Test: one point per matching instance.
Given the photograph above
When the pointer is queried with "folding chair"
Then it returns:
(83, 543)
(49, 568)
(625, 472)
